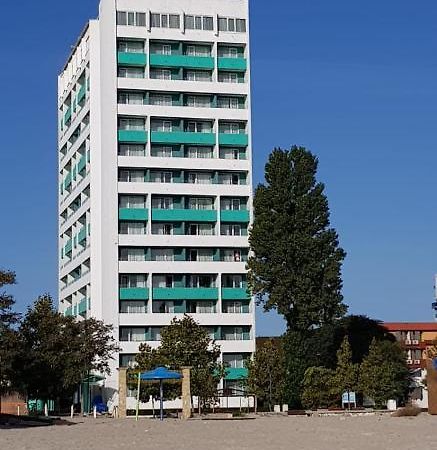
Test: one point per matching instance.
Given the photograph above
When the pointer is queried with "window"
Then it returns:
(130, 98)
(199, 101)
(162, 125)
(234, 360)
(131, 18)
(199, 127)
(131, 46)
(163, 307)
(162, 152)
(229, 178)
(162, 281)
(198, 50)
(231, 153)
(160, 74)
(231, 255)
(127, 360)
(162, 202)
(155, 334)
(197, 75)
(199, 178)
(202, 255)
(201, 229)
(162, 254)
(228, 77)
(234, 307)
(130, 72)
(134, 334)
(200, 281)
(132, 201)
(161, 177)
(131, 176)
(199, 22)
(230, 128)
(233, 281)
(133, 307)
(202, 203)
(162, 229)
(131, 123)
(200, 307)
(228, 204)
(228, 102)
(132, 254)
(228, 52)
(164, 20)
(199, 152)
(233, 334)
(132, 280)
(131, 150)
(161, 100)
(230, 230)
(231, 24)
(133, 228)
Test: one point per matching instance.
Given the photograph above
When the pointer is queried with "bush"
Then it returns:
(407, 411)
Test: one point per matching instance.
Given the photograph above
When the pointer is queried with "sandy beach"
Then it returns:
(302, 433)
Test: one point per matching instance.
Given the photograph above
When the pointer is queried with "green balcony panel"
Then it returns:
(234, 140)
(82, 306)
(185, 294)
(138, 214)
(132, 59)
(132, 136)
(67, 181)
(241, 216)
(181, 137)
(81, 94)
(235, 294)
(68, 246)
(81, 235)
(69, 311)
(136, 293)
(184, 215)
(81, 164)
(233, 64)
(188, 62)
(233, 373)
(67, 115)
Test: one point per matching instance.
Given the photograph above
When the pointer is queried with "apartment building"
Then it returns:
(155, 182)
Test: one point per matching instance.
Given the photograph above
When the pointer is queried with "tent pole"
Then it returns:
(138, 396)
(161, 398)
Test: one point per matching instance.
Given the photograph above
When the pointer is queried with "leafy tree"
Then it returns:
(266, 374)
(8, 335)
(384, 374)
(319, 390)
(57, 352)
(296, 262)
(346, 374)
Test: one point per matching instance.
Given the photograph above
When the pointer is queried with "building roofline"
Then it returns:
(74, 47)
(410, 326)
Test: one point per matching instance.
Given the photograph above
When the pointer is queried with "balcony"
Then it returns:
(81, 164)
(188, 62)
(68, 312)
(82, 306)
(132, 136)
(184, 215)
(132, 59)
(182, 293)
(182, 137)
(67, 115)
(67, 181)
(235, 294)
(134, 214)
(81, 236)
(233, 373)
(232, 64)
(234, 216)
(81, 94)
(68, 246)
(234, 140)
(135, 293)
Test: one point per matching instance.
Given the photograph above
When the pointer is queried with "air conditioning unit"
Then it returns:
(407, 342)
(409, 361)
(415, 342)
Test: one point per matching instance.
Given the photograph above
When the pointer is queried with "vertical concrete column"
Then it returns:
(122, 393)
(186, 393)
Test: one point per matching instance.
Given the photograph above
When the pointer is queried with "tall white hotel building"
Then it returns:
(155, 179)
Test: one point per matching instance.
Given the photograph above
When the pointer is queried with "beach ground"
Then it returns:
(276, 433)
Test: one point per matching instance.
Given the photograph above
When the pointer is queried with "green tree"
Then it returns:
(8, 334)
(185, 343)
(56, 352)
(318, 388)
(296, 262)
(384, 373)
(266, 374)
(346, 373)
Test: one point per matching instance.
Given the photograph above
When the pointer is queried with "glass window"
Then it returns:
(131, 98)
(189, 22)
(174, 21)
(164, 20)
(121, 18)
(228, 77)
(222, 24)
(131, 150)
(131, 18)
(240, 25)
(132, 201)
(163, 307)
(130, 72)
(199, 101)
(208, 23)
(162, 229)
(162, 254)
(141, 19)
(155, 20)
(162, 281)
(161, 177)
(197, 75)
(132, 254)
(202, 203)
(162, 152)
(162, 202)
(160, 74)
(131, 46)
(132, 280)
(230, 153)
(132, 228)
(131, 123)
(133, 307)
(161, 100)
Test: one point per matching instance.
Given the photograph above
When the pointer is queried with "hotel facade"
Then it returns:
(155, 174)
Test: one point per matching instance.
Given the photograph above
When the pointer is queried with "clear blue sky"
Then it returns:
(353, 81)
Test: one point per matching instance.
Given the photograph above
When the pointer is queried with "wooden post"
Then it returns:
(122, 393)
(432, 387)
(186, 393)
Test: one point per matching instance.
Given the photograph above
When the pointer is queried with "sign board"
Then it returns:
(348, 397)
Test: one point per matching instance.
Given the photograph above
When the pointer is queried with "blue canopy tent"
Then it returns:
(158, 374)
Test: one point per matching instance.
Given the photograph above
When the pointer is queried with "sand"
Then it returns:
(265, 433)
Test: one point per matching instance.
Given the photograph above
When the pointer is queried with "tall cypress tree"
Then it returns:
(296, 262)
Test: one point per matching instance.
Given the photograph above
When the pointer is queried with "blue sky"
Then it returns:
(355, 82)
